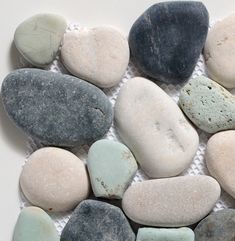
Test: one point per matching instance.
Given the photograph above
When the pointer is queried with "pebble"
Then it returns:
(171, 202)
(150, 122)
(163, 234)
(35, 224)
(56, 109)
(39, 37)
(167, 39)
(218, 226)
(54, 179)
(208, 105)
(220, 160)
(99, 55)
(97, 221)
(219, 52)
(111, 167)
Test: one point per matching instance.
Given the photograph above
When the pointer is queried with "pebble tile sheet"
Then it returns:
(197, 167)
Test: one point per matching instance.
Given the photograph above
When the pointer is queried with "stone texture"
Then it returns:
(97, 221)
(149, 122)
(99, 55)
(56, 109)
(171, 202)
(54, 179)
(219, 226)
(38, 38)
(111, 167)
(208, 105)
(167, 39)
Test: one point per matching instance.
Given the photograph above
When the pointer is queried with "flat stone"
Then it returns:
(56, 109)
(111, 167)
(163, 234)
(171, 202)
(38, 38)
(219, 52)
(167, 39)
(150, 122)
(35, 224)
(99, 55)
(219, 226)
(220, 159)
(97, 221)
(208, 105)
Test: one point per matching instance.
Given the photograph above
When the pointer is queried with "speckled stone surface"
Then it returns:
(56, 109)
(167, 39)
(208, 105)
(219, 226)
(97, 221)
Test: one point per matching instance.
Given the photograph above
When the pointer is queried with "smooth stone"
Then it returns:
(97, 221)
(38, 38)
(208, 105)
(35, 224)
(163, 234)
(150, 122)
(99, 55)
(218, 226)
(219, 52)
(54, 179)
(167, 39)
(111, 167)
(171, 202)
(56, 109)
(220, 159)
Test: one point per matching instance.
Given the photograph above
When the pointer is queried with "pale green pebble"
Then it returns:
(111, 167)
(35, 224)
(208, 105)
(38, 38)
(162, 234)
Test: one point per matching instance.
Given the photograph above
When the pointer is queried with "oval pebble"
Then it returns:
(208, 105)
(171, 202)
(99, 55)
(56, 109)
(54, 179)
(149, 122)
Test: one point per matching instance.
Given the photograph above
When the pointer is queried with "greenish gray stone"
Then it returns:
(35, 224)
(38, 38)
(163, 234)
(111, 167)
(208, 105)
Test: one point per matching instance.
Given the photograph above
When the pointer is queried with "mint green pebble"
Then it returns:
(162, 234)
(38, 38)
(111, 167)
(34, 224)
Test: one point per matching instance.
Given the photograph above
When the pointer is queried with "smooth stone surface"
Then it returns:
(38, 38)
(218, 226)
(97, 221)
(219, 52)
(208, 105)
(167, 39)
(111, 167)
(220, 159)
(54, 179)
(171, 202)
(56, 109)
(150, 122)
(163, 234)
(35, 224)
(99, 55)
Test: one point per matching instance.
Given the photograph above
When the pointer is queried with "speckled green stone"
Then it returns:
(162, 234)
(34, 224)
(111, 167)
(208, 105)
